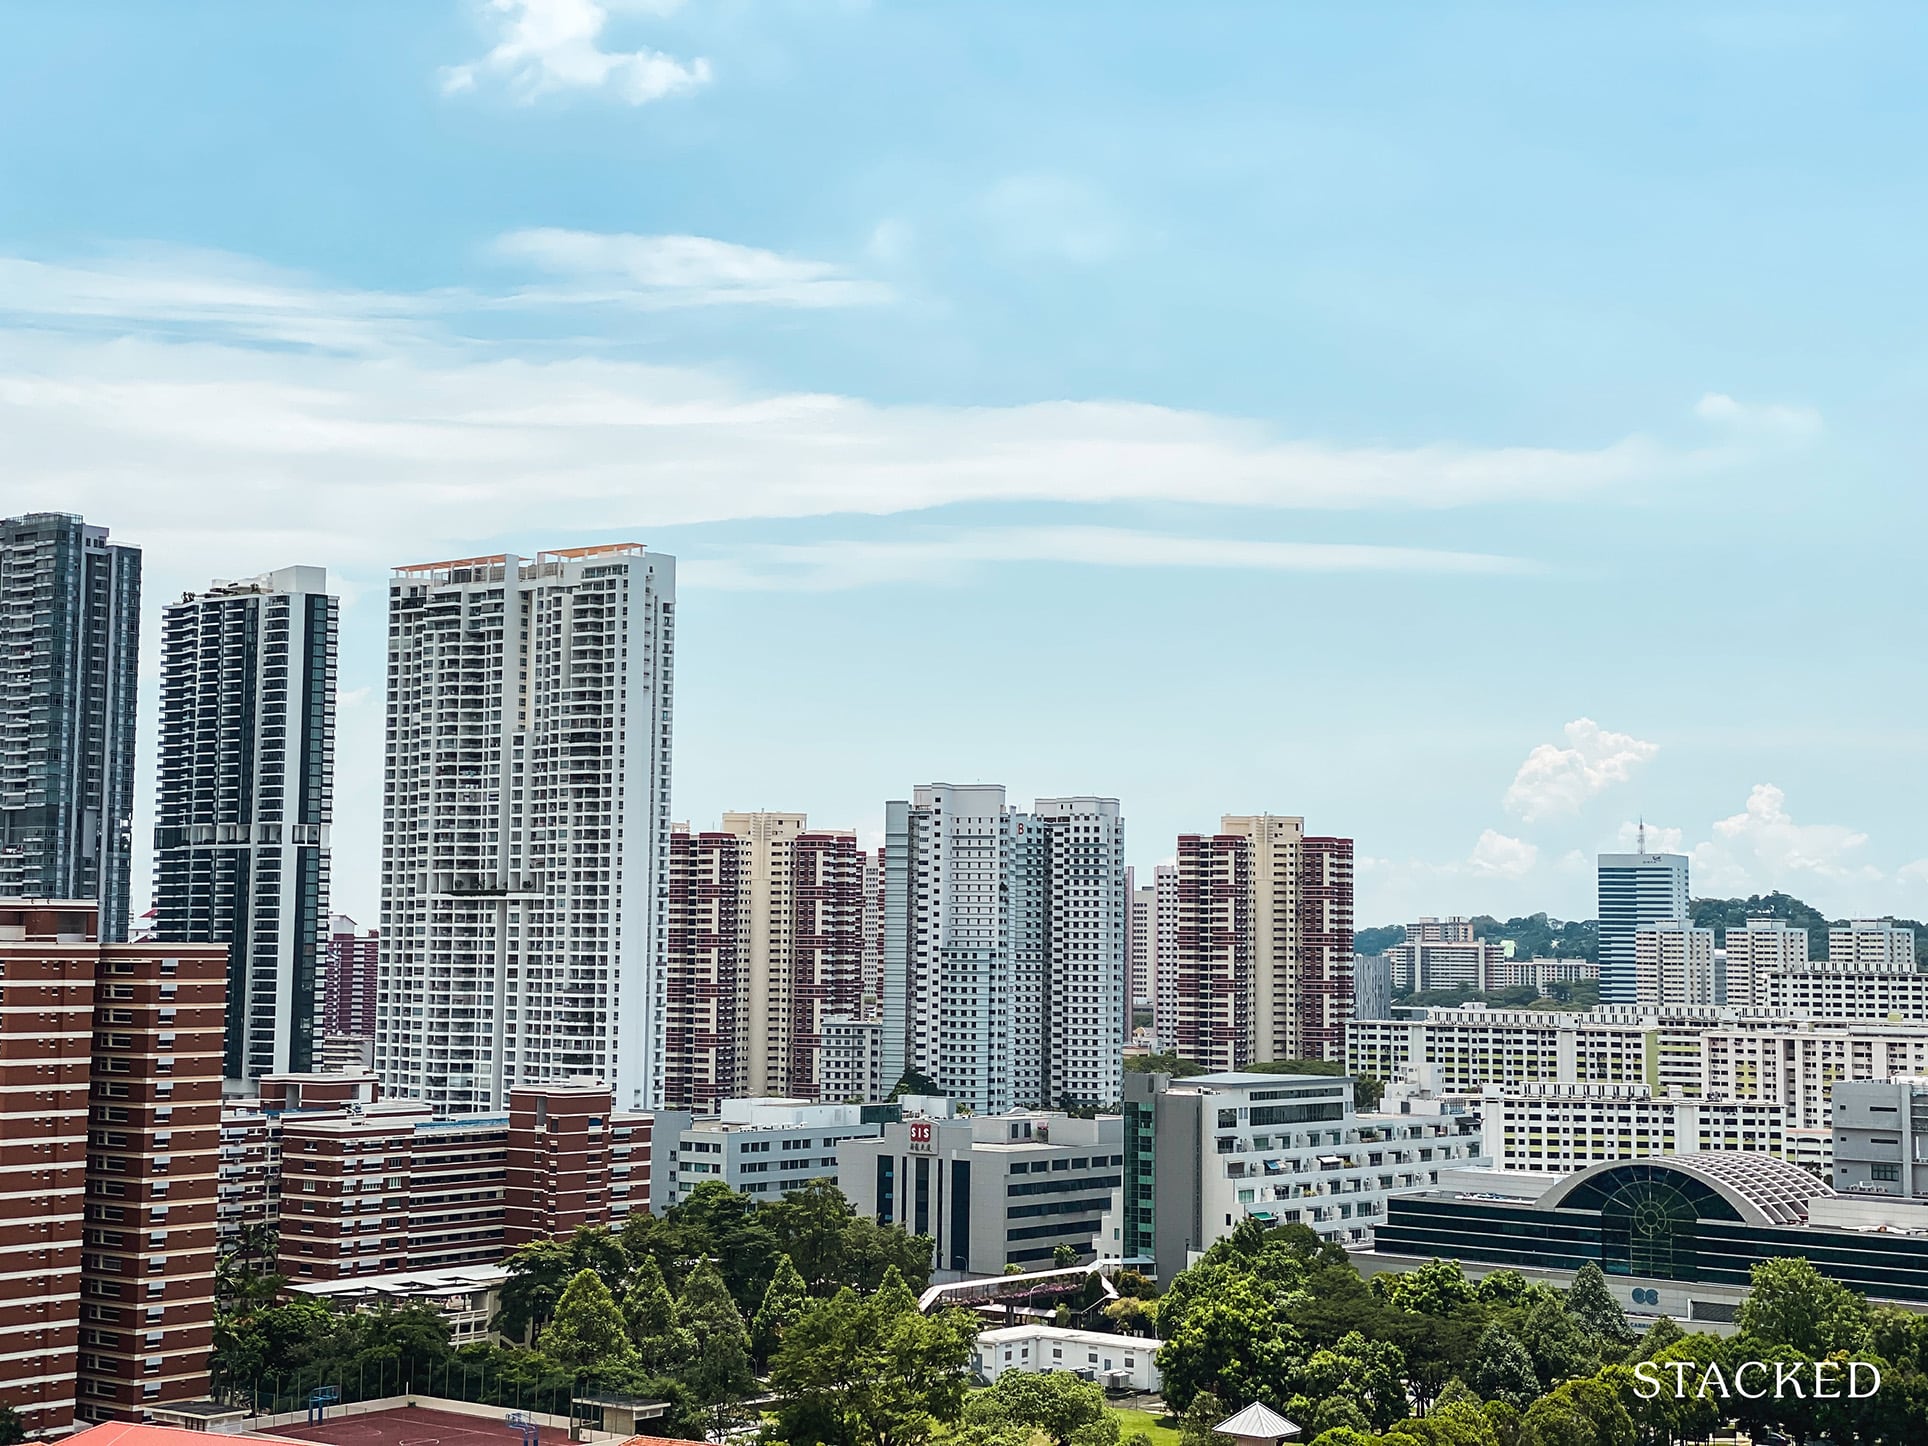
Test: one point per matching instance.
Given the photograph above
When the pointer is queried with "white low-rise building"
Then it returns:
(467, 1297)
(1202, 1154)
(1117, 1362)
(766, 1148)
(1560, 1128)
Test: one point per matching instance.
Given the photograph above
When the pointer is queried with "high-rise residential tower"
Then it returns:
(69, 641)
(1004, 947)
(354, 965)
(1871, 944)
(1141, 950)
(244, 798)
(765, 942)
(1763, 947)
(525, 835)
(1263, 945)
(1635, 889)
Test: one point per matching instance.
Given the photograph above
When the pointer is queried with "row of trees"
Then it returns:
(1429, 1358)
(687, 1307)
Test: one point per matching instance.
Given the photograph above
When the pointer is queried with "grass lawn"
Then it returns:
(1153, 1426)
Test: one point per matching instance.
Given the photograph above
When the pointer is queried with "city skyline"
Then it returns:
(991, 389)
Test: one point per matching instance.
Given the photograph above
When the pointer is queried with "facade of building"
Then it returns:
(1674, 964)
(526, 825)
(1880, 1133)
(768, 1147)
(992, 1190)
(1541, 973)
(70, 606)
(244, 800)
(1123, 1363)
(853, 1060)
(108, 1138)
(1444, 954)
(1141, 941)
(1761, 948)
(765, 942)
(1674, 1235)
(1562, 1128)
(1797, 1065)
(1824, 992)
(1004, 947)
(348, 991)
(370, 1187)
(1202, 1154)
(1371, 987)
(1878, 945)
(1635, 889)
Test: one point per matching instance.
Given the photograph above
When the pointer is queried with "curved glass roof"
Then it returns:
(1760, 1189)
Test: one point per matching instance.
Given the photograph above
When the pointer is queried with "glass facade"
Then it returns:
(1649, 1220)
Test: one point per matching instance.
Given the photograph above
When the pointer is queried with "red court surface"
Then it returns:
(415, 1426)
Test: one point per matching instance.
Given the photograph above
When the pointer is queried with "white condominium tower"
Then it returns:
(1635, 889)
(246, 780)
(1004, 947)
(526, 825)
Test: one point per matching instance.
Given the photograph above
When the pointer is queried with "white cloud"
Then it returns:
(1557, 780)
(601, 267)
(546, 46)
(1498, 854)
(822, 566)
(1762, 848)
(1765, 417)
(223, 407)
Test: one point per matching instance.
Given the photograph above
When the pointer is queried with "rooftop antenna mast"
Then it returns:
(1641, 845)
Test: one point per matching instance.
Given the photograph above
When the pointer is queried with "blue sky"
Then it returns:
(1471, 427)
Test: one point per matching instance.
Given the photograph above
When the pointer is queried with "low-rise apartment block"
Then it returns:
(1562, 1128)
(1203, 1153)
(767, 1147)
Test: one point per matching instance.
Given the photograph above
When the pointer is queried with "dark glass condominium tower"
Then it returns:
(69, 637)
(246, 782)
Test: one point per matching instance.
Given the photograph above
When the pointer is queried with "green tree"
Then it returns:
(1501, 1369)
(1436, 1288)
(871, 1251)
(12, 1428)
(1238, 1342)
(1059, 1404)
(870, 1372)
(1455, 1391)
(784, 1303)
(1790, 1303)
(1064, 1256)
(1661, 1334)
(727, 1229)
(1367, 1091)
(1586, 1412)
(648, 1307)
(719, 1362)
(1554, 1342)
(1594, 1309)
(1195, 1425)
(1369, 1373)
(587, 1330)
(538, 1272)
(807, 1225)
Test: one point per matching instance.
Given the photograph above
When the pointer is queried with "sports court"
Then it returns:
(415, 1426)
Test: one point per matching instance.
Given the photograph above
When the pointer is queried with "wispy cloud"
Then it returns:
(670, 271)
(209, 398)
(545, 46)
(1792, 421)
(956, 556)
(1555, 779)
